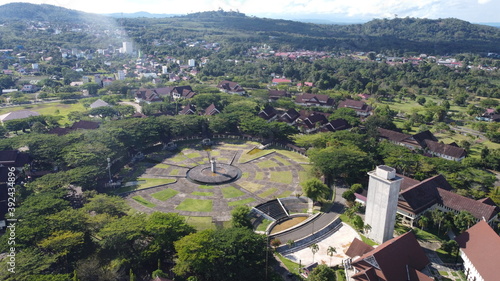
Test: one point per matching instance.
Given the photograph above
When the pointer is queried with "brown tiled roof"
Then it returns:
(394, 259)
(314, 99)
(188, 109)
(356, 105)
(407, 182)
(267, 113)
(446, 149)
(59, 131)
(230, 86)
(276, 94)
(289, 116)
(423, 136)
(314, 118)
(460, 203)
(338, 124)
(358, 248)
(423, 195)
(211, 110)
(481, 245)
(392, 135)
(14, 158)
(86, 125)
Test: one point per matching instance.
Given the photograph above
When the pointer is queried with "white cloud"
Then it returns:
(474, 10)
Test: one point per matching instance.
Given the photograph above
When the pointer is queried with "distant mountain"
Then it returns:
(140, 15)
(45, 12)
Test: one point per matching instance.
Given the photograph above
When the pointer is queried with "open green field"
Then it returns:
(49, 109)
(200, 193)
(263, 225)
(268, 192)
(285, 193)
(297, 157)
(259, 176)
(231, 192)
(143, 201)
(267, 164)
(200, 223)
(162, 166)
(195, 205)
(282, 177)
(241, 202)
(281, 160)
(251, 186)
(306, 174)
(144, 183)
(253, 154)
(165, 194)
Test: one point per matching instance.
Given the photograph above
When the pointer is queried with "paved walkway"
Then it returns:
(265, 178)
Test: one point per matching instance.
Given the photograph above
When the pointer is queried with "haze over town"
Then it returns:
(479, 11)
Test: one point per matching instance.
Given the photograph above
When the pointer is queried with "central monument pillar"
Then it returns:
(213, 165)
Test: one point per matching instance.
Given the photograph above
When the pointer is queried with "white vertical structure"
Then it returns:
(121, 75)
(127, 47)
(382, 203)
(164, 69)
(191, 63)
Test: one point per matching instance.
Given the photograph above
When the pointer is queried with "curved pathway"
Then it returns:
(263, 178)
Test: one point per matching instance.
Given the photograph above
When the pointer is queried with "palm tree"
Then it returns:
(314, 249)
(438, 218)
(367, 228)
(330, 251)
(423, 221)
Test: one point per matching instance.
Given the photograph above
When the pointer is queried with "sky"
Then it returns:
(476, 11)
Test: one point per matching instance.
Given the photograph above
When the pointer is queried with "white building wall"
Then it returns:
(192, 63)
(382, 202)
(469, 269)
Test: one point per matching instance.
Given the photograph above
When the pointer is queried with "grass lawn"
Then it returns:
(253, 154)
(244, 175)
(281, 160)
(178, 158)
(199, 193)
(165, 194)
(214, 153)
(193, 155)
(282, 177)
(143, 201)
(290, 265)
(259, 176)
(205, 186)
(297, 157)
(370, 242)
(200, 223)
(195, 205)
(251, 186)
(268, 192)
(231, 192)
(306, 174)
(263, 225)
(162, 166)
(285, 193)
(241, 202)
(174, 172)
(153, 182)
(49, 109)
(267, 164)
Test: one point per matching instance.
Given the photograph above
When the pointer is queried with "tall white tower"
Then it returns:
(382, 203)
(127, 47)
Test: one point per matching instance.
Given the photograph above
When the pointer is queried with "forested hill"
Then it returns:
(441, 36)
(45, 13)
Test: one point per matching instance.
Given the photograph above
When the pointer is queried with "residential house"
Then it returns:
(278, 94)
(290, 116)
(230, 87)
(99, 103)
(185, 92)
(147, 95)
(15, 115)
(277, 81)
(479, 249)
(268, 113)
(312, 122)
(398, 259)
(362, 109)
(29, 88)
(189, 109)
(424, 141)
(314, 100)
(490, 115)
(337, 125)
(211, 110)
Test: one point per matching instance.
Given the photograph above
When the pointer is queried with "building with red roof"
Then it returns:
(397, 259)
(479, 249)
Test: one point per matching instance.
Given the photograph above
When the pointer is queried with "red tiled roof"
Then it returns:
(481, 245)
(423, 195)
(358, 248)
(356, 105)
(395, 259)
(446, 149)
(460, 203)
